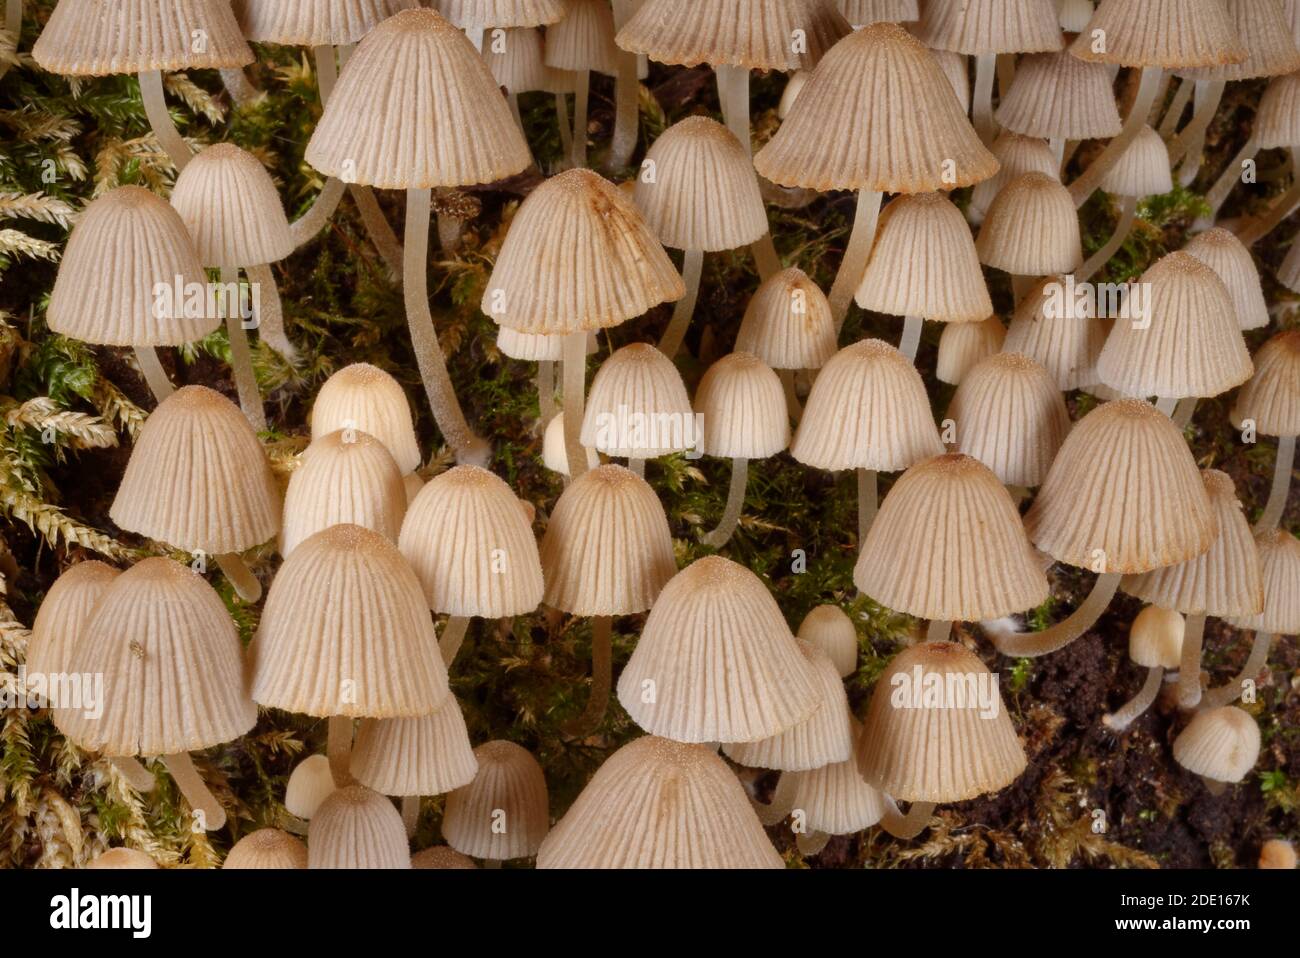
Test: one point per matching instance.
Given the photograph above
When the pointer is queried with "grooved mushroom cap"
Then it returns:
(1143, 168)
(1155, 639)
(713, 615)
(536, 347)
(1263, 30)
(1059, 96)
(516, 62)
(788, 323)
(1171, 34)
(1192, 346)
(949, 544)
(125, 244)
(442, 857)
(472, 547)
(824, 737)
(122, 858)
(367, 399)
(991, 26)
(638, 406)
(1220, 250)
(924, 264)
(828, 628)
(346, 631)
(198, 479)
(232, 209)
(554, 454)
(578, 256)
(1017, 155)
(99, 37)
(314, 23)
(1271, 398)
(835, 799)
(357, 828)
(173, 668)
(1059, 331)
(63, 614)
(962, 346)
(474, 14)
(862, 12)
(704, 192)
(429, 755)
(1011, 416)
(310, 783)
(345, 477)
(660, 804)
(754, 34)
(509, 790)
(1219, 744)
(1123, 494)
(607, 549)
(449, 127)
(868, 410)
(1225, 581)
(741, 405)
(1279, 566)
(1032, 228)
(1277, 120)
(267, 848)
(583, 39)
(915, 752)
(899, 128)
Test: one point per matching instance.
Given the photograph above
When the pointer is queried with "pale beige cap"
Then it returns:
(1032, 228)
(555, 456)
(369, 400)
(638, 406)
(63, 614)
(990, 26)
(231, 207)
(1277, 119)
(788, 323)
(1064, 335)
(1279, 567)
(357, 828)
(1058, 96)
(516, 61)
(443, 858)
(583, 39)
(832, 631)
(741, 405)
(314, 23)
(267, 848)
(835, 799)
(1155, 639)
(1017, 155)
(534, 347)
(1172, 34)
(1263, 30)
(1142, 169)
(962, 346)
(1229, 257)
(123, 858)
(1271, 398)
(474, 14)
(428, 755)
(509, 787)
(310, 783)
(1219, 744)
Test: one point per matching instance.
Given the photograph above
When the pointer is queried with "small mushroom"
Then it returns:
(1231, 261)
(828, 628)
(368, 400)
(963, 346)
(1031, 230)
(546, 351)
(1279, 561)
(1058, 97)
(267, 848)
(1270, 402)
(357, 828)
(504, 813)
(555, 456)
(638, 407)
(310, 783)
(1016, 155)
(1155, 640)
(1060, 332)
(1220, 744)
(833, 800)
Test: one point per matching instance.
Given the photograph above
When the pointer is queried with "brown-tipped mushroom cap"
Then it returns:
(357, 828)
(1155, 639)
(1277, 121)
(442, 857)
(583, 39)
(231, 208)
(788, 323)
(1271, 399)
(476, 14)
(267, 848)
(198, 479)
(122, 857)
(429, 755)
(638, 406)
(504, 812)
(1262, 28)
(1219, 744)
(963, 346)
(1169, 34)
(1032, 228)
(1228, 256)
(1142, 169)
(832, 631)
(711, 616)
(835, 799)
(367, 399)
(63, 614)
(990, 26)
(1279, 568)
(314, 23)
(1059, 96)
(741, 404)
(310, 783)
(1060, 332)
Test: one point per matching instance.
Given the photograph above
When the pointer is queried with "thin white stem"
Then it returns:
(908, 826)
(136, 775)
(627, 114)
(1097, 261)
(1256, 663)
(1085, 185)
(1252, 231)
(241, 356)
(453, 636)
(684, 309)
(581, 92)
(449, 233)
(240, 576)
(154, 374)
(1283, 466)
(982, 103)
(866, 504)
(155, 108)
(1184, 411)
(735, 503)
(602, 678)
(270, 315)
(1130, 711)
(911, 339)
(1057, 146)
(304, 229)
(1189, 663)
(338, 748)
(1167, 405)
(546, 391)
(575, 397)
(513, 100)
(1033, 644)
(765, 257)
(1182, 96)
(938, 630)
(1227, 181)
(211, 815)
(379, 229)
(236, 82)
(410, 813)
(733, 97)
(854, 265)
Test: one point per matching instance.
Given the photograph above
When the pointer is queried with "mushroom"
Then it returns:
(1231, 261)
(582, 41)
(1058, 97)
(828, 628)
(833, 800)
(1277, 853)
(742, 408)
(546, 351)
(1275, 127)
(173, 672)
(554, 455)
(310, 783)
(1017, 155)
(267, 848)
(504, 813)
(122, 858)
(357, 828)
(963, 346)
(1155, 641)
(1220, 744)
(1058, 331)
(443, 858)
(440, 134)
(1143, 170)
(1270, 404)
(516, 61)
(656, 803)
(365, 399)
(1031, 230)
(638, 407)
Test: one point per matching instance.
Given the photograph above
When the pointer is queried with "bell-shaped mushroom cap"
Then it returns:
(1219, 744)
(1142, 169)
(346, 631)
(868, 410)
(822, 738)
(450, 127)
(1059, 96)
(267, 848)
(1262, 28)
(483, 14)
(96, 38)
(554, 454)
(310, 783)
(1182, 340)
(754, 34)
(713, 615)
(232, 209)
(516, 61)
(917, 749)
(1279, 566)
(1032, 228)
(313, 23)
(835, 799)
(471, 546)
(862, 12)
(1225, 581)
(638, 406)
(198, 479)
(704, 193)
(924, 263)
(1228, 256)
(828, 628)
(741, 405)
(1011, 416)
(963, 346)
(124, 858)
(1276, 853)
(1155, 639)
(1059, 331)
(173, 668)
(788, 323)
(1277, 120)
(900, 129)
(367, 399)
(1123, 494)
(1171, 34)
(127, 244)
(578, 256)
(657, 803)
(345, 477)
(442, 857)
(607, 549)
(1017, 155)
(63, 614)
(429, 755)
(583, 39)
(1271, 399)
(990, 26)
(357, 828)
(948, 544)
(509, 790)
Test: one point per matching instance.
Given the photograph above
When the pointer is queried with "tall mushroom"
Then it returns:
(364, 399)
(1058, 97)
(1143, 170)
(581, 42)
(1269, 404)
(1031, 230)
(1155, 641)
